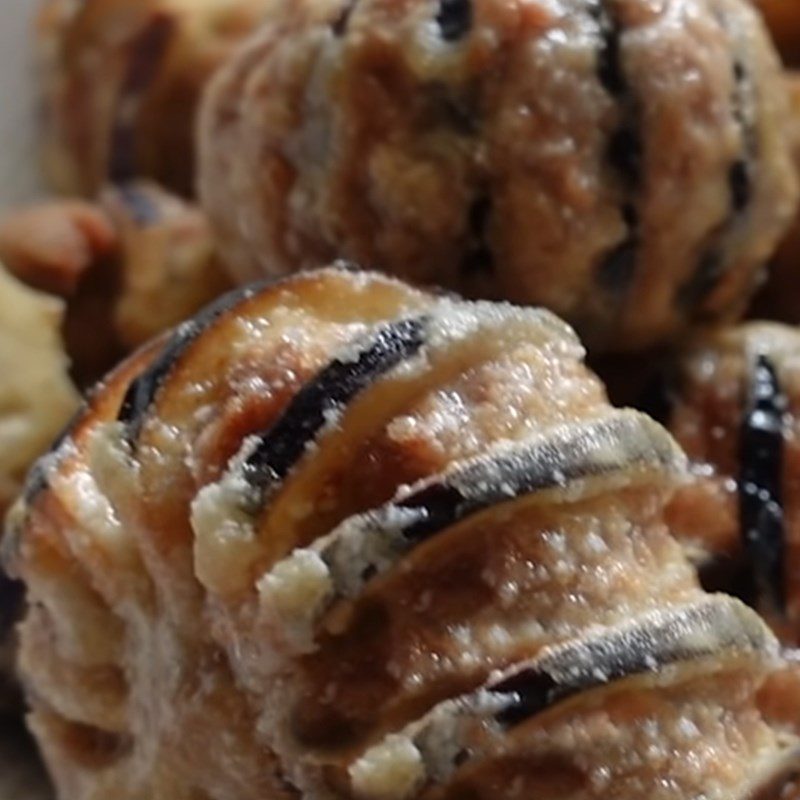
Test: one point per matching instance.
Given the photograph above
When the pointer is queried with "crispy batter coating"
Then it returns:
(780, 297)
(735, 397)
(340, 538)
(120, 82)
(623, 163)
(783, 20)
(37, 396)
(135, 263)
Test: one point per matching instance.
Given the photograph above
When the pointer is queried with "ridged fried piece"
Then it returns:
(734, 402)
(779, 298)
(600, 716)
(120, 81)
(623, 163)
(130, 265)
(339, 537)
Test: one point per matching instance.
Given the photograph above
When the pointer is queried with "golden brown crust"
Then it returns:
(734, 406)
(780, 297)
(130, 266)
(337, 537)
(624, 164)
(170, 267)
(120, 82)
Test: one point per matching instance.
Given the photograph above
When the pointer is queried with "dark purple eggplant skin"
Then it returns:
(610, 71)
(504, 478)
(740, 184)
(682, 635)
(761, 457)
(143, 390)
(709, 270)
(740, 175)
(713, 264)
(509, 475)
(342, 20)
(479, 258)
(625, 151)
(455, 19)
(281, 446)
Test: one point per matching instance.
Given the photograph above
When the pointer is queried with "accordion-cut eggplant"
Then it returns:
(103, 700)
(568, 462)
(455, 337)
(693, 636)
(430, 143)
(143, 389)
(733, 409)
(696, 632)
(281, 447)
(120, 81)
(462, 584)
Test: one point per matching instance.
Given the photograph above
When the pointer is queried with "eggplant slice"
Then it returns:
(761, 451)
(573, 462)
(734, 410)
(281, 447)
(142, 391)
(220, 319)
(318, 439)
(700, 636)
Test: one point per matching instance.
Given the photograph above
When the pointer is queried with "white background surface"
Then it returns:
(18, 166)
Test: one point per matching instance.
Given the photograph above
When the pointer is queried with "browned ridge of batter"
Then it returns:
(733, 406)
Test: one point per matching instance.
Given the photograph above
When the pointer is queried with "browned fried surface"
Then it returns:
(710, 396)
(69, 249)
(174, 647)
(630, 173)
(129, 266)
(780, 297)
(50, 246)
(120, 81)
